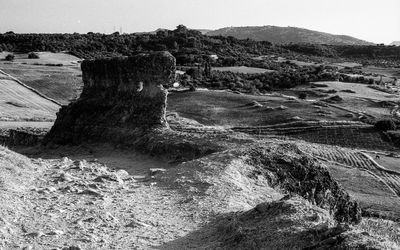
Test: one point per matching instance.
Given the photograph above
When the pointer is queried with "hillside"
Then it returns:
(395, 43)
(283, 35)
(19, 102)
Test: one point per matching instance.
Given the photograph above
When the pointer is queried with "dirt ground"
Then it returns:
(101, 197)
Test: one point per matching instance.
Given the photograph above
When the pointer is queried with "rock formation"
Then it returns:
(121, 97)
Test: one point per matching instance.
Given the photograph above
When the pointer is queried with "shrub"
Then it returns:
(395, 137)
(303, 95)
(33, 56)
(385, 125)
(10, 57)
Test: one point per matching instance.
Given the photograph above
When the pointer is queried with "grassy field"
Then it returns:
(44, 58)
(229, 109)
(62, 83)
(374, 196)
(388, 162)
(357, 97)
(376, 190)
(20, 103)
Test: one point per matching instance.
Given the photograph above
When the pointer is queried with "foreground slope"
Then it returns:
(233, 199)
(283, 35)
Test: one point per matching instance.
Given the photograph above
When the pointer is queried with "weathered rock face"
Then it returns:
(286, 166)
(120, 95)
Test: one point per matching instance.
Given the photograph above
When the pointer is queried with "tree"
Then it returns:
(10, 57)
(303, 95)
(33, 56)
(385, 125)
(181, 29)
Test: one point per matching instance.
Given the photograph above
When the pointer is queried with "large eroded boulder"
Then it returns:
(121, 96)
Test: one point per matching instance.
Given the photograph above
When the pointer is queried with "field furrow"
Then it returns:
(392, 181)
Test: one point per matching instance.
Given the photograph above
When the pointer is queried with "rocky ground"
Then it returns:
(64, 203)
(217, 201)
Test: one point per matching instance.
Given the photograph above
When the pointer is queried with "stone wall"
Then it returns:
(120, 96)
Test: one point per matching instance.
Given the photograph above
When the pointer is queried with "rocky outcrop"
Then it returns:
(122, 98)
(287, 167)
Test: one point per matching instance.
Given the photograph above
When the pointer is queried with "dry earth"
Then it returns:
(107, 198)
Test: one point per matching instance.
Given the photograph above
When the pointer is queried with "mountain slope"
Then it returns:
(282, 35)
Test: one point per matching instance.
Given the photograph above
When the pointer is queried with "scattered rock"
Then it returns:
(35, 234)
(65, 177)
(296, 118)
(135, 224)
(104, 178)
(156, 171)
(122, 173)
(282, 107)
(90, 191)
(55, 232)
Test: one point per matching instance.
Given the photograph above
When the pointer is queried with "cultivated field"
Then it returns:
(226, 108)
(18, 103)
(374, 185)
(49, 58)
(62, 83)
(357, 98)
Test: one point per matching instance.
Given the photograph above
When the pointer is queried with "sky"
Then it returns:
(372, 20)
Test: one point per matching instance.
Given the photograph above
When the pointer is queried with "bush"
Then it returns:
(10, 57)
(33, 56)
(303, 95)
(395, 137)
(385, 125)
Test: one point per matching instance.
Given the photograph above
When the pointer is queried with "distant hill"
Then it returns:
(283, 35)
(396, 43)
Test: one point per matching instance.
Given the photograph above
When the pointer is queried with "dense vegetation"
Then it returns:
(369, 54)
(188, 46)
(285, 76)
(199, 53)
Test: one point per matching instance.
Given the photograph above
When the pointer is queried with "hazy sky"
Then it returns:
(371, 20)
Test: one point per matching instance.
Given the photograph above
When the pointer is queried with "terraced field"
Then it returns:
(375, 186)
(361, 136)
(346, 157)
